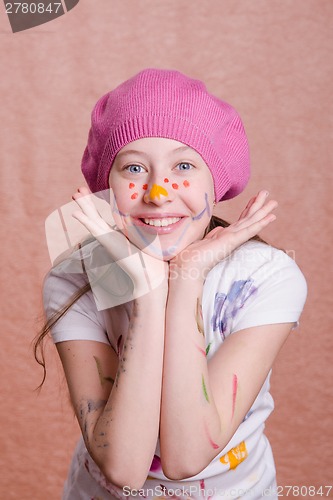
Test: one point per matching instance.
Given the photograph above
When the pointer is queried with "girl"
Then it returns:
(168, 372)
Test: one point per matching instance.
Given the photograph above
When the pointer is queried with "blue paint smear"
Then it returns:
(206, 209)
(226, 306)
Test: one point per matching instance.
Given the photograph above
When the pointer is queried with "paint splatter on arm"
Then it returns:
(199, 317)
(102, 378)
(204, 388)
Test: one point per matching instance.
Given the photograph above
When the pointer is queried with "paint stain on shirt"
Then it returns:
(235, 456)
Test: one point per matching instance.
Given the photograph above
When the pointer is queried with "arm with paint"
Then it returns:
(203, 403)
(120, 420)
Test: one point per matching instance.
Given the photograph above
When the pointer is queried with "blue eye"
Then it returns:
(184, 166)
(134, 169)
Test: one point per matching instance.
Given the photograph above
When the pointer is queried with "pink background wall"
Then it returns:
(272, 59)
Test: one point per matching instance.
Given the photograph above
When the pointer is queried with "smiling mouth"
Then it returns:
(167, 221)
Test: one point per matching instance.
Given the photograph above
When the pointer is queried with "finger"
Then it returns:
(247, 208)
(96, 228)
(255, 204)
(84, 190)
(258, 202)
(256, 216)
(236, 238)
(86, 203)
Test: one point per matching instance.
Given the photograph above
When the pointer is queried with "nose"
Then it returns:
(156, 194)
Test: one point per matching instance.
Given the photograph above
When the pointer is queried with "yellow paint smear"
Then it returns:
(235, 456)
(156, 192)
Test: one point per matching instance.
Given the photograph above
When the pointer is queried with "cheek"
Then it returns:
(132, 190)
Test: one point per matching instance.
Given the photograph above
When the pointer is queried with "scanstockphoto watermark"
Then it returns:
(187, 491)
(26, 15)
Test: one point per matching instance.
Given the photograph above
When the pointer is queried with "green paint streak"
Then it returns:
(204, 389)
(102, 379)
(208, 348)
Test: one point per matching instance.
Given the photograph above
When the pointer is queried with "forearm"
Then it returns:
(189, 418)
(125, 436)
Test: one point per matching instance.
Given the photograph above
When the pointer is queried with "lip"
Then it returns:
(156, 229)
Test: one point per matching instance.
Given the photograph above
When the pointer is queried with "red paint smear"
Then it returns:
(166, 180)
(175, 186)
(202, 484)
(186, 184)
(145, 186)
(234, 392)
(134, 196)
(131, 185)
(156, 464)
(203, 352)
(214, 445)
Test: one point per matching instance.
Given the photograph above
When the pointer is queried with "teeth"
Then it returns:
(161, 222)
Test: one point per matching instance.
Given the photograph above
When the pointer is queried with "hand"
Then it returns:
(201, 256)
(145, 271)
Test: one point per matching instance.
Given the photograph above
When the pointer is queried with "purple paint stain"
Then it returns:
(226, 306)
(206, 209)
(156, 464)
(116, 209)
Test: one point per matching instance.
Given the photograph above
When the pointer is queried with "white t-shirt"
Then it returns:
(256, 285)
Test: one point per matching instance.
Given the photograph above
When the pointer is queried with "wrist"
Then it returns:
(182, 283)
(186, 277)
(155, 295)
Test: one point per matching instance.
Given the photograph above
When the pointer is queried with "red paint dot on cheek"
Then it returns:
(131, 185)
(175, 186)
(186, 184)
(134, 196)
(145, 186)
(166, 180)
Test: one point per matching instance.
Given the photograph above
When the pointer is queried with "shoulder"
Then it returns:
(260, 262)
(68, 277)
(257, 284)
(63, 287)
(60, 285)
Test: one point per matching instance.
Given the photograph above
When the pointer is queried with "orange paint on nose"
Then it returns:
(145, 186)
(131, 185)
(134, 196)
(157, 191)
(175, 186)
(186, 184)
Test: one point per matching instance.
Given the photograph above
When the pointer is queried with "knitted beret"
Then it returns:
(166, 103)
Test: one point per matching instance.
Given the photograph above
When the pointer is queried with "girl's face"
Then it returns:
(163, 195)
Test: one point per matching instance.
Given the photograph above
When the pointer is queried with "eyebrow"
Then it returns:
(131, 152)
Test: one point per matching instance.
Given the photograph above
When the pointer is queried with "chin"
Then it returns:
(161, 253)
